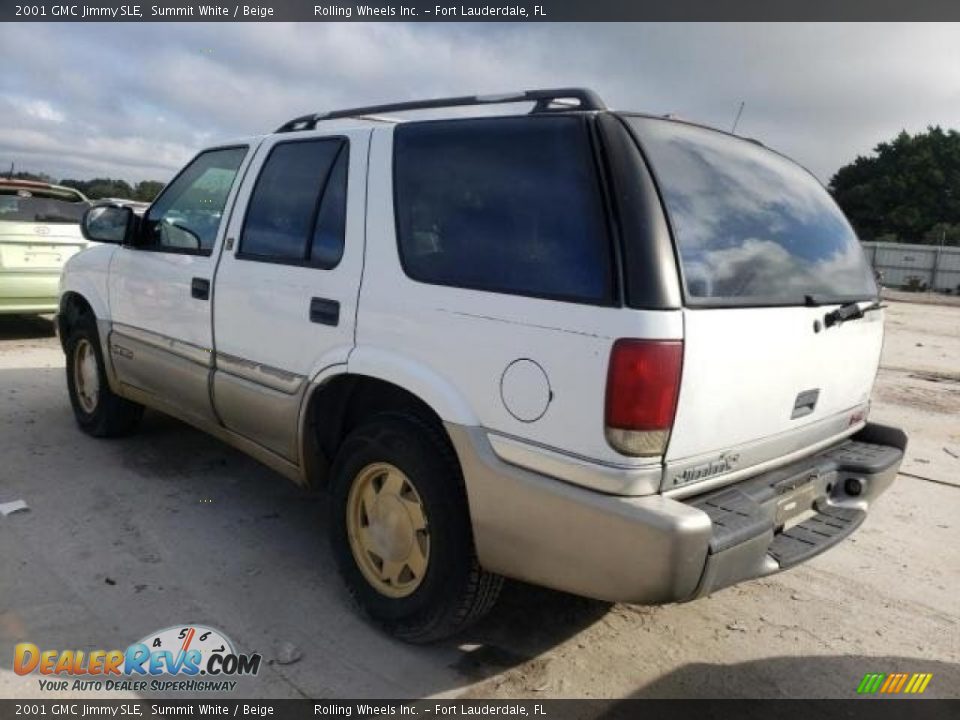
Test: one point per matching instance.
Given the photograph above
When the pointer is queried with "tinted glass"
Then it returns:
(17, 205)
(329, 230)
(296, 212)
(188, 213)
(750, 225)
(503, 204)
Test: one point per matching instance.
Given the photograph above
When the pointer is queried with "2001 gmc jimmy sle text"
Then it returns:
(619, 355)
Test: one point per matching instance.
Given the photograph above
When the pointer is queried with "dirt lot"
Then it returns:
(126, 537)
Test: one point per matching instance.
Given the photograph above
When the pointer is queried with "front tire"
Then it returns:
(400, 530)
(97, 409)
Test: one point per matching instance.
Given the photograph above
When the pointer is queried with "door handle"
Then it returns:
(324, 311)
(805, 403)
(200, 288)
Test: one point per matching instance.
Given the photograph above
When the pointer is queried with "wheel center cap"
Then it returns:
(392, 529)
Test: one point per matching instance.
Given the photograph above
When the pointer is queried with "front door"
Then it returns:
(160, 340)
(287, 284)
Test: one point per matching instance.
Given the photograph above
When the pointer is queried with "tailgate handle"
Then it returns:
(200, 288)
(805, 403)
(324, 311)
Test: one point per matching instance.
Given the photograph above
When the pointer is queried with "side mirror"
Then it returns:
(108, 224)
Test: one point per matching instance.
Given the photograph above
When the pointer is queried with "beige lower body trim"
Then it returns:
(257, 452)
(537, 529)
(258, 411)
(163, 367)
(252, 400)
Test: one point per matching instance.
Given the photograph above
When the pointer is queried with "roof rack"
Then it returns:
(545, 100)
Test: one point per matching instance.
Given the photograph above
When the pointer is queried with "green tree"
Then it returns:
(147, 190)
(908, 188)
(98, 188)
(101, 188)
(38, 177)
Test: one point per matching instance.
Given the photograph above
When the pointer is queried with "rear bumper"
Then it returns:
(28, 292)
(653, 549)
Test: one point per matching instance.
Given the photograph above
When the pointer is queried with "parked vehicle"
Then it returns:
(39, 231)
(614, 354)
(138, 207)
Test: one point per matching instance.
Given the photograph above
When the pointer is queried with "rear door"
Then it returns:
(765, 254)
(287, 284)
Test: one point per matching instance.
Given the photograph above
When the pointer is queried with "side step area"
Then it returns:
(815, 534)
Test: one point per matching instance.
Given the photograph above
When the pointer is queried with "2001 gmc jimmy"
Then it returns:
(619, 355)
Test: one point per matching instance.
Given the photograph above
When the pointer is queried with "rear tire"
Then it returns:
(98, 410)
(400, 530)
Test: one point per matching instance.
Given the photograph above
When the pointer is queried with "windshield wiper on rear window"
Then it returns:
(850, 311)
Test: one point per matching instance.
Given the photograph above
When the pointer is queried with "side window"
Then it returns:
(297, 212)
(507, 205)
(188, 213)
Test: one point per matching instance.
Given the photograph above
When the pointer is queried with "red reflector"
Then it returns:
(642, 384)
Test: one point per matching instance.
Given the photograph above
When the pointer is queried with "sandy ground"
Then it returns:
(129, 536)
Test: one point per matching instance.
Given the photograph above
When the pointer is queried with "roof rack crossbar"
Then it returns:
(545, 101)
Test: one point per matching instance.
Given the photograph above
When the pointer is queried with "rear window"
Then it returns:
(507, 205)
(34, 205)
(751, 227)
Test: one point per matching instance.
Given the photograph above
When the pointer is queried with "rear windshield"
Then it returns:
(21, 205)
(751, 227)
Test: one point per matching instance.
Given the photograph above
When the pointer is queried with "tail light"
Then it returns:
(642, 385)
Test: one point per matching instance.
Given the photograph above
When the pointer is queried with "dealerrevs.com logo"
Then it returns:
(187, 658)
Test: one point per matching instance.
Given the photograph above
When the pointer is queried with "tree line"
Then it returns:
(907, 190)
(99, 188)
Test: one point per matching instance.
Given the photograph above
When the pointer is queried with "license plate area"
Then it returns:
(797, 505)
(35, 257)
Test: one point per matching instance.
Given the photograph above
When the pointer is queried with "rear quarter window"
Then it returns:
(507, 205)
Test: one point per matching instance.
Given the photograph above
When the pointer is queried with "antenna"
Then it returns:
(737, 119)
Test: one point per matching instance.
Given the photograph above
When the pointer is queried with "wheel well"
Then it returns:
(73, 306)
(342, 404)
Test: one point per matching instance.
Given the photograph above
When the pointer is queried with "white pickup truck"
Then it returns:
(619, 355)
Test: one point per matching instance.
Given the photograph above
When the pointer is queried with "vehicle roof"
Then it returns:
(363, 122)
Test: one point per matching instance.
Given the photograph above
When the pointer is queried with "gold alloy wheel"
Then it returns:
(86, 377)
(388, 531)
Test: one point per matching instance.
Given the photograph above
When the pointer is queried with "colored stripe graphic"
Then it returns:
(918, 683)
(870, 683)
(894, 683)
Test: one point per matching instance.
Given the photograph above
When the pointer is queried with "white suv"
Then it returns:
(614, 354)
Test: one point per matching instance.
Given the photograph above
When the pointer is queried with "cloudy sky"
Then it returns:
(136, 101)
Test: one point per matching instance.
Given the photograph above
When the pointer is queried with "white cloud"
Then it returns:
(137, 100)
(43, 111)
